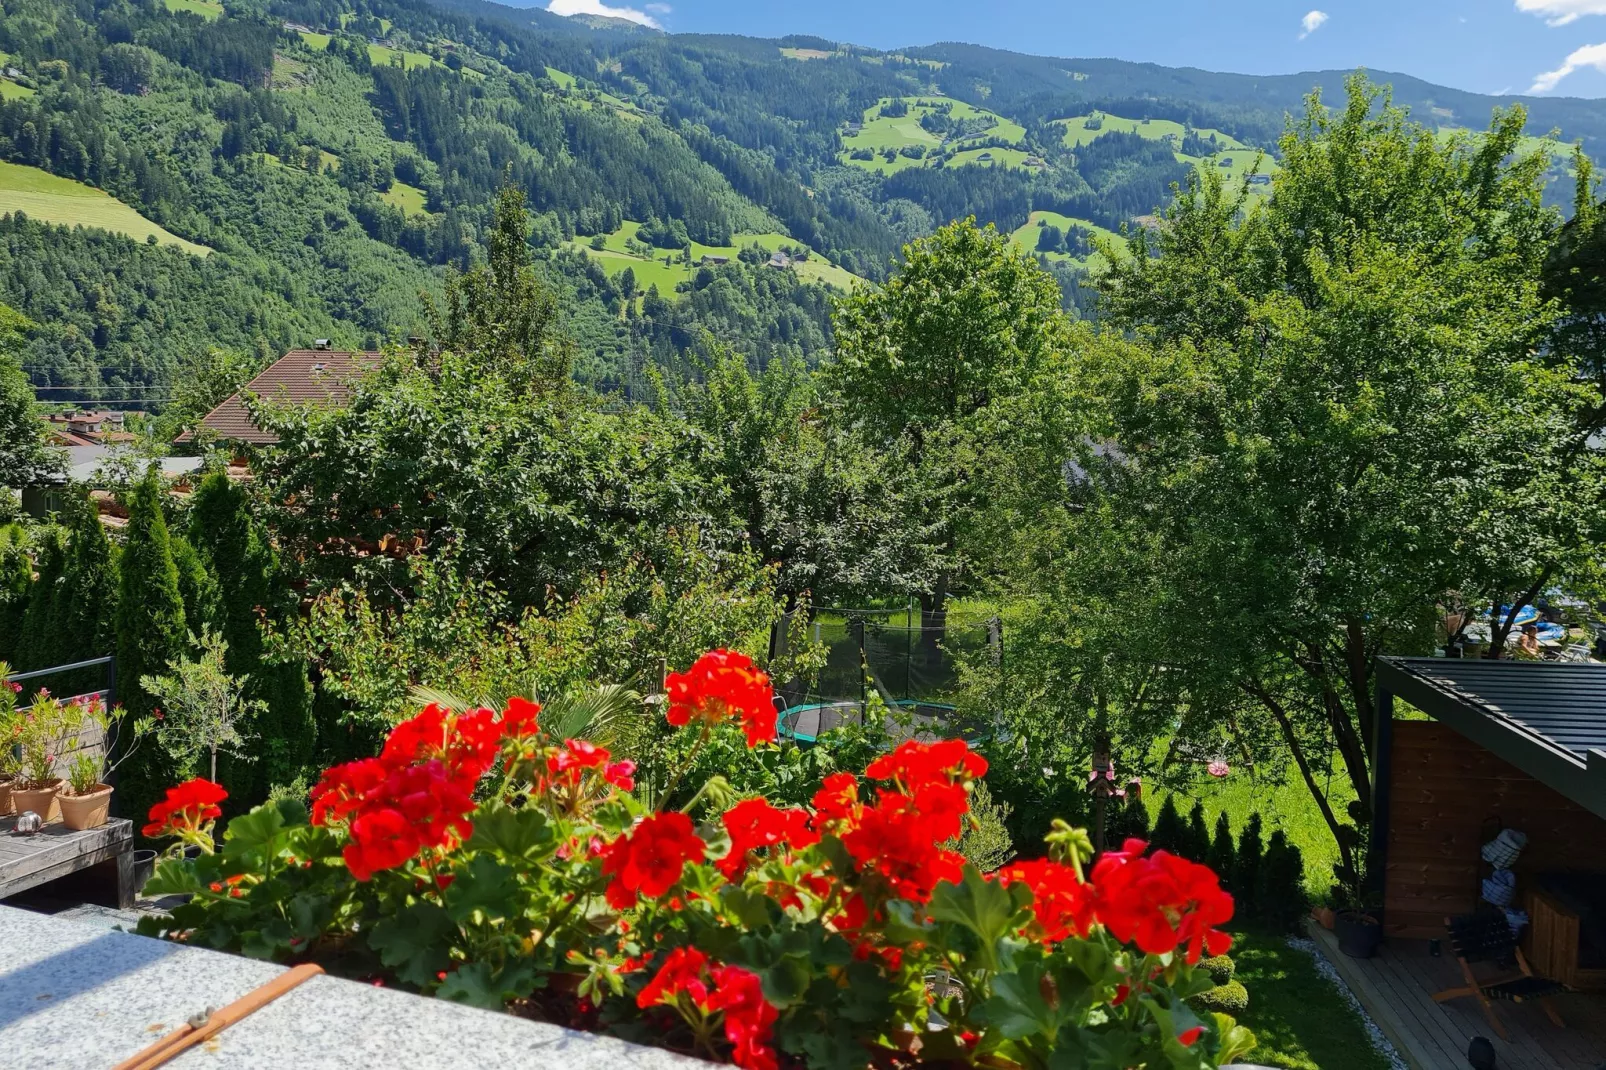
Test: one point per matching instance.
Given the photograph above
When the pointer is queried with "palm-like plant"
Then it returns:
(610, 715)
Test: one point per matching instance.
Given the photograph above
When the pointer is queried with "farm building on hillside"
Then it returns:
(301, 376)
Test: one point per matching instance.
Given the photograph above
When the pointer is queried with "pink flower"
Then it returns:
(1218, 769)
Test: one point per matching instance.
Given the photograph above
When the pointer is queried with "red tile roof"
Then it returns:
(301, 376)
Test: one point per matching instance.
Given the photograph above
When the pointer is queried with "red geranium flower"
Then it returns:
(1161, 902)
(1061, 903)
(521, 718)
(621, 775)
(380, 839)
(577, 754)
(721, 684)
(649, 859)
(681, 971)
(749, 1017)
(915, 764)
(186, 808)
(755, 823)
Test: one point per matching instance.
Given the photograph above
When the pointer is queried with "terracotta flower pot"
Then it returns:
(86, 811)
(5, 796)
(1325, 916)
(41, 801)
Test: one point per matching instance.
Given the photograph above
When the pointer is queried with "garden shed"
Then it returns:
(1513, 745)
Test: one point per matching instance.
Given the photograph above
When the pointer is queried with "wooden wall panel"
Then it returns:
(1445, 790)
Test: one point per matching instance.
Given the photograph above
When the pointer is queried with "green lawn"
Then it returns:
(804, 53)
(10, 90)
(410, 199)
(1287, 806)
(207, 9)
(53, 199)
(1301, 1022)
(564, 79)
(318, 42)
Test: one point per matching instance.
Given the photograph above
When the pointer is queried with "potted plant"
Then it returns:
(44, 730)
(10, 763)
(86, 800)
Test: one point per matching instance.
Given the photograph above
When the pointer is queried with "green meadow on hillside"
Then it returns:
(52, 199)
(10, 90)
(1026, 237)
(207, 9)
(880, 133)
(410, 199)
(1232, 158)
(615, 255)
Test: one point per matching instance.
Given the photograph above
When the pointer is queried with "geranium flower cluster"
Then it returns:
(697, 988)
(899, 837)
(641, 899)
(1159, 902)
(187, 812)
(418, 793)
(723, 684)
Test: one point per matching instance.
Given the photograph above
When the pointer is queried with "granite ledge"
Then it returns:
(77, 996)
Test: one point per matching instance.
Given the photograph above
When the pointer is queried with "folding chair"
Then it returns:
(1486, 937)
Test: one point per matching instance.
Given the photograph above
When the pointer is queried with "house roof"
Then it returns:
(301, 376)
(1546, 718)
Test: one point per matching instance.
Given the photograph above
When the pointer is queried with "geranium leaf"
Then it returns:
(1017, 1006)
(523, 834)
(414, 942)
(484, 885)
(983, 907)
(174, 876)
(477, 985)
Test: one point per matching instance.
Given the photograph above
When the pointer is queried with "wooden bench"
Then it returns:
(56, 851)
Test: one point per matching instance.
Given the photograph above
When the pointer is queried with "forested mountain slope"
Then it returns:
(310, 167)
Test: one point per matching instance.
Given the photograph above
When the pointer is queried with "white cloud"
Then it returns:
(1561, 12)
(1313, 22)
(659, 9)
(1588, 56)
(597, 7)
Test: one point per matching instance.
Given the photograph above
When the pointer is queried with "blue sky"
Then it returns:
(1554, 46)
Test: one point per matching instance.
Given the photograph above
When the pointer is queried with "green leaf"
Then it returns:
(309, 915)
(983, 907)
(257, 829)
(269, 942)
(1017, 1007)
(1236, 1041)
(415, 942)
(513, 835)
(174, 876)
(478, 985)
(485, 886)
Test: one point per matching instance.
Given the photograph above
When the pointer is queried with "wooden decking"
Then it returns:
(1396, 988)
(56, 852)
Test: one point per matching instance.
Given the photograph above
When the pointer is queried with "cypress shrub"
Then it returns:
(1280, 894)
(38, 639)
(1246, 865)
(1169, 833)
(16, 581)
(237, 551)
(150, 632)
(86, 612)
(1197, 842)
(1222, 857)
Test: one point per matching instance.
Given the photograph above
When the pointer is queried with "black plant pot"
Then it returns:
(1358, 934)
(144, 866)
